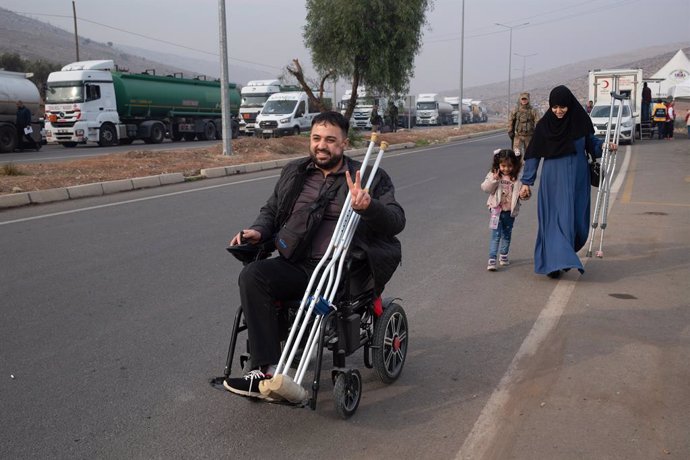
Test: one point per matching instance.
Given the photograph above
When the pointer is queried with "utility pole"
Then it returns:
(510, 56)
(76, 35)
(225, 101)
(462, 57)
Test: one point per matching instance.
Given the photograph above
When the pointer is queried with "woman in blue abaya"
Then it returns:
(560, 138)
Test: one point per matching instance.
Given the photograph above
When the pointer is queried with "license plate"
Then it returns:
(267, 131)
(63, 131)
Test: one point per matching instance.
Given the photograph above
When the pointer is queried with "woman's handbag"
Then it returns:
(594, 167)
(594, 170)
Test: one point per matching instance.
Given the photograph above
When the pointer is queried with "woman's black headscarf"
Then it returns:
(554, 136)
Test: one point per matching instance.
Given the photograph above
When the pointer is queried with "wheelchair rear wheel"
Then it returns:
(390, 343)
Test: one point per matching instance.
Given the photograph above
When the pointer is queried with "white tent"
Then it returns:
(680, 91)
(674, 72)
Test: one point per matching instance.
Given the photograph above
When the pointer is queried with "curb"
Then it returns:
(14, 200)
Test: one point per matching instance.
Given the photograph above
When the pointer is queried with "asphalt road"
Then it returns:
(117, 312)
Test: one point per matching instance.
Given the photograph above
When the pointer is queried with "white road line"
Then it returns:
(486, 428)
(136, 200)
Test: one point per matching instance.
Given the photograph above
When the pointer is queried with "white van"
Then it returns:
(600, 120)
(285, 114)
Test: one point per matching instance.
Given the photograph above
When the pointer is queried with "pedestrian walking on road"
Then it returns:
(503, 186)
(24, 129)
(560, 140)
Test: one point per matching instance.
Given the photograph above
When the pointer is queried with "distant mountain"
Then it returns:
(574, 76)
(40, 40)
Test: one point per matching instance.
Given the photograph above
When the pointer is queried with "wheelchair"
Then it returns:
(356, 320)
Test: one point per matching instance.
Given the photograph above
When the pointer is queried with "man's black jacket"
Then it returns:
(378, 225)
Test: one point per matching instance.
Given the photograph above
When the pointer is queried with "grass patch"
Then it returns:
(10, 169)
(422, 142)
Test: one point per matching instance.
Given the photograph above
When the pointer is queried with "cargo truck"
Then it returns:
(455, 103)
(627, 82)
(15, 86)
(432, 110)
(91, 101)
(254, 95)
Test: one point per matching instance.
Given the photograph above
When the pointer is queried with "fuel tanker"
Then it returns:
(91, 101)
(15, 86)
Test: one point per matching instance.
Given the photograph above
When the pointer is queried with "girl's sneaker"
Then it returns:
(503, 259)
(492, 265)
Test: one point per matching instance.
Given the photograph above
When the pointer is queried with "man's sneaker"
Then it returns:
(492, 265)
(248, 385)
(503, 259)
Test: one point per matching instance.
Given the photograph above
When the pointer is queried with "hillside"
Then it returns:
(574, 75)
(43, 41)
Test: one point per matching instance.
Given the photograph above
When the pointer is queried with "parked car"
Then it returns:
(600, 120)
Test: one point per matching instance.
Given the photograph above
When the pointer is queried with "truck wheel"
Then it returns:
(209, 132)
(8, 139)
(107, 135)
(157, 134)
(295, 131)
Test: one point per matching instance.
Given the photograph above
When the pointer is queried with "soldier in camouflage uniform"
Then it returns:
(521, 123)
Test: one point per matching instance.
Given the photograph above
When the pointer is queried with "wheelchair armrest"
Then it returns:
(247, 252)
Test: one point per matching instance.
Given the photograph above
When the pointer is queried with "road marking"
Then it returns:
(136, 200)
(487, 425)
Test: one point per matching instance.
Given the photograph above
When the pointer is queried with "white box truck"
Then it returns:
(285, 114)
(254, 95)
(432, 110)
(627, 82)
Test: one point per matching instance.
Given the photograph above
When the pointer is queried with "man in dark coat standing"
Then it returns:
(23, 122)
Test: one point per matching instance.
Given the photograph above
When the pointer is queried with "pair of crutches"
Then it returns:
(608, 165)
(318, 297)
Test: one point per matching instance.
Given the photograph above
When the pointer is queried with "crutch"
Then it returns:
(318, 297)
(608, 165)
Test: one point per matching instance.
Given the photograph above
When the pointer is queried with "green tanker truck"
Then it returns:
(90, 101)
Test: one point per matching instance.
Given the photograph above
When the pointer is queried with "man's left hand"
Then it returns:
(360, 196)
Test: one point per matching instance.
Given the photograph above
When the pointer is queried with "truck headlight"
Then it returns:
(79, 132)
(284, 120)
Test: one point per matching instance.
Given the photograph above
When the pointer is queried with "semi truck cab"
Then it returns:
(79, 100)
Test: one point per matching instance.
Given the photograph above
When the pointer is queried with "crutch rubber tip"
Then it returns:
(374, 137)
(600, 254)
(284, 387)
(384, 145)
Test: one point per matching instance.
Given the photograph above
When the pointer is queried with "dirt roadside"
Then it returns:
(189, 161)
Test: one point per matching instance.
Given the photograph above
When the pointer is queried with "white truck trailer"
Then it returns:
(623, 81)
(433, 110)
(15, 86)
(254, 95)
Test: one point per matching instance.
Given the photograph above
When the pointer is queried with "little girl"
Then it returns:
(503, 186)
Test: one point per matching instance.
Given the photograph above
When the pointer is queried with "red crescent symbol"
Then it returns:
(606, 84)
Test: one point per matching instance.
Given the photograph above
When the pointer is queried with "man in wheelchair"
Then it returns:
(299, 218)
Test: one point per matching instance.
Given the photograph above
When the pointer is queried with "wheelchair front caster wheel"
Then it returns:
(347, 392)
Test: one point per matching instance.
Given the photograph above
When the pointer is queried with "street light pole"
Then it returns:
(462, 57)
(224, 83)
(524, 65)
(510, 55)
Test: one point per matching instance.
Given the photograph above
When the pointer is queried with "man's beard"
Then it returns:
(330, 163)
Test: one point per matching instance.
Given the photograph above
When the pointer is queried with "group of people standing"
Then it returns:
(558, 142)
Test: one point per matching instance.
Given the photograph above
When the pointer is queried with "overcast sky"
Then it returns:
(267, 34)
